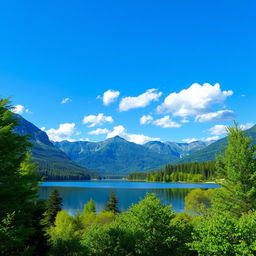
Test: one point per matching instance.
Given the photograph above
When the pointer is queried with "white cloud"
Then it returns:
(218, 129)
(189, 140)
(215, 116)
(140, 101)
(118, 130)
(136, 138)
(109, 97)
(166, 122)
(146, 119)
(100, 119)
(195, 100)
(246, 126)
(99, 131)
(64, 132)
(66, 100)
(20, 109)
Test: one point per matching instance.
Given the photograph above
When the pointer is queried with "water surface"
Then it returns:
(76, 194)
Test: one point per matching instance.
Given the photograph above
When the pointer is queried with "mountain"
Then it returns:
(173, 148)
(114, 156)
(209, 153)
(52, 162)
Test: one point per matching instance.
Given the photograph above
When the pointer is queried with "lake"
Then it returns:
(76, 193)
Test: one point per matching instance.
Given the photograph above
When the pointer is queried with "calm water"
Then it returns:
(76, 194)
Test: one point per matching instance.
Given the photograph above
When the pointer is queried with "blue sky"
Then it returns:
(52, 50)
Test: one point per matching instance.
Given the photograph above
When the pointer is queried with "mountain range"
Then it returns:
(52, 162)
(208, 153)
(114, 156)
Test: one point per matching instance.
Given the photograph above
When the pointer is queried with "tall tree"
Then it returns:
(237, 165)
(112, 204)
(18, 186)
(53, 206)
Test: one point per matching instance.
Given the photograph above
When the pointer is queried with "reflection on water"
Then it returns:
(74, 198)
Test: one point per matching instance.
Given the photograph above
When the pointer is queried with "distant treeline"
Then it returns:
(194, 172)
(59, 174)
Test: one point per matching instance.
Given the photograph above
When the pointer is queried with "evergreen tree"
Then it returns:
(237, 165)
(18, 186)
(112, 204)
(53, 206)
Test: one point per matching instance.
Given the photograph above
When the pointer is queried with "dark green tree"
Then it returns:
(112, 204)
(18, 186)
(53, 206)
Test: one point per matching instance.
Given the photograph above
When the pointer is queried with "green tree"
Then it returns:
(53, 206)
(64, 238)
(199, 200)
(237, 166)
(18, 186)
(112, 204)
(223, 234)
(89, 207)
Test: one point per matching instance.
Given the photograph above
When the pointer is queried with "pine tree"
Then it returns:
(53, 206)
(237, 165)
(18, 186)
(112, 204)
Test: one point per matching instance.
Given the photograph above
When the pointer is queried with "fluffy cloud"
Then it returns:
(246, 126)
(109, 97)
(64, 132)
(136, 138)
(195, 100)
(99, 131)
(166, 122)
(218, 129)
(215, 116)
(66, 100)
(20, 109)
(146, 119)
(140, 101)
(100, 119)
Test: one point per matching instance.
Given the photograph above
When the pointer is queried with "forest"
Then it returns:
(216, 222)
(188, 172)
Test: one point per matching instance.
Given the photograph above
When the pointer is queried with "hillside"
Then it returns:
(209, 153)
(114, 156)
(52, 162)
(178, 150)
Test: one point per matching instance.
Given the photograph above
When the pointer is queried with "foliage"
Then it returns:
(18, 186)
(238, 167)
(53, 206)
(142, 230)
(199, 200)
(112, 204)
(63, 236)
(191, 172)
(89, 207)
(222, 234)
